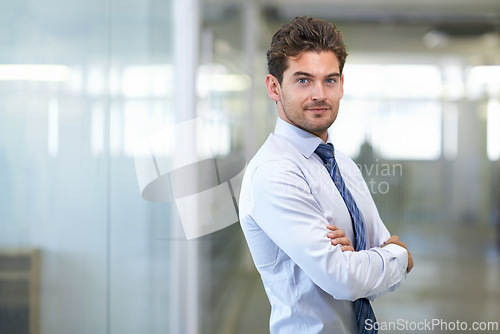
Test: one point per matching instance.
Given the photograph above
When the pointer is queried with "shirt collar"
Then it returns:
(304, 141)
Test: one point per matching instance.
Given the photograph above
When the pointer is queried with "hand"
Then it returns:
(395, 240)
(338, 237)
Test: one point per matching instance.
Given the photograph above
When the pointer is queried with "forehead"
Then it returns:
(320, 63)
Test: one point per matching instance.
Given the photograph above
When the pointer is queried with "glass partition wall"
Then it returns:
(78, 81)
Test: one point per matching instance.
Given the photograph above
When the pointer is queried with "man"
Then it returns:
(302, 221)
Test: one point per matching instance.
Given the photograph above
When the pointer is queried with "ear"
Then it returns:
(342, 86)
(273, 88)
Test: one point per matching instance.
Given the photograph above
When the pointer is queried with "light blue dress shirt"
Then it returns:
(287, 199)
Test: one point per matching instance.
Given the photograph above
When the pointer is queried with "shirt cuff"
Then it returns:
(401, 254)
(395, 262)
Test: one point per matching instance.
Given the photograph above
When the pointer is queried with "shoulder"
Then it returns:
(276, 151)
(276, 159)
(274, 170)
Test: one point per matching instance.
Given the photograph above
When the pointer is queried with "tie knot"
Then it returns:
(325, 152)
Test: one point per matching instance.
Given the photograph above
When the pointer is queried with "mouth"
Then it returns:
(318, 110)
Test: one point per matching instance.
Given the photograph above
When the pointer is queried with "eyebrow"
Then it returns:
(309, 75)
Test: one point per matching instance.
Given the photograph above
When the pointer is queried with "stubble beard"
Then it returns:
(319, 123)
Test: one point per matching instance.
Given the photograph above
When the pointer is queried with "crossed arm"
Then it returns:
(338, 237)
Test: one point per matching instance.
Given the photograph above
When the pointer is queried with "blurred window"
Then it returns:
(493, 125)
(394, 108)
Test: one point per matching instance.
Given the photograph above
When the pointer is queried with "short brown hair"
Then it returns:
(300, 35)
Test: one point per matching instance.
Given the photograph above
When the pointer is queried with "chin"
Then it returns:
(324, 124)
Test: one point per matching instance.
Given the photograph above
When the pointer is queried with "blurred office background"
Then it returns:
(81, 82)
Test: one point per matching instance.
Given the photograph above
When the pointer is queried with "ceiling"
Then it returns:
(408, 11)
(394, 10)
(424, 28)
(454, 17)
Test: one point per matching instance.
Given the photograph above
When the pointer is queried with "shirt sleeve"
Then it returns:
(284, 208)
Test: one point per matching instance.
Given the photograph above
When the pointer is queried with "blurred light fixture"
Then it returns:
(218, 82)
(33, 72)
(465, 29)
(434, 39)
(442, 33)
(146, 80)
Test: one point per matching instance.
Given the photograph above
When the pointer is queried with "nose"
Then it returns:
(318, 93)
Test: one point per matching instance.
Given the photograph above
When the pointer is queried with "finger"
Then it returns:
(399, 243)
(395, 242)
(347, 249)
(410, 264)
(332, 227)
(337, 241)
(393, 239)
(341, 241)
(344, 243)
(336, 234)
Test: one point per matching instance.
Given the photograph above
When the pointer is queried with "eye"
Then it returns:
(303, 80)
(331, 80)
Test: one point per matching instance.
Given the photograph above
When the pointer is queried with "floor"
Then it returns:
(455, 283)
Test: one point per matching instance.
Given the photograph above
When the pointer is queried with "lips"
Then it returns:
(319, 106)
(318, 110)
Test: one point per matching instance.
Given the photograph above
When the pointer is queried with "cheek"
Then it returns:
(301, 98)
(336, 93)
(292, 99)
(340, 93)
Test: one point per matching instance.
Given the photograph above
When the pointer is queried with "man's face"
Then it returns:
(310, 92)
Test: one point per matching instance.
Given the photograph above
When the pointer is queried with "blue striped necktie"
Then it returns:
(362, 307)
